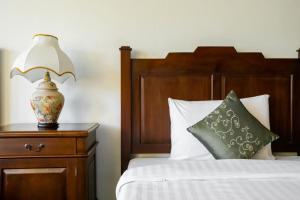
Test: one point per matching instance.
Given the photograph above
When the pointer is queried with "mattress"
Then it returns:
(139, 162)
(161, 178)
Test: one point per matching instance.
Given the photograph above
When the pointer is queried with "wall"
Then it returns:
(91, 32)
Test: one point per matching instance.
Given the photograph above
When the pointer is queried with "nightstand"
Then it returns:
(45, 164)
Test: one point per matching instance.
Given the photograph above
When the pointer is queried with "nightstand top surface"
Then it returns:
(31, 129)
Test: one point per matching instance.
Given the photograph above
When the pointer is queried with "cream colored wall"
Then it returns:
(91, 32)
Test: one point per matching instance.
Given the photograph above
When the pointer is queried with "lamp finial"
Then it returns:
(47, 77)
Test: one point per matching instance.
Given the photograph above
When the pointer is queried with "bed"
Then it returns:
(210, 72)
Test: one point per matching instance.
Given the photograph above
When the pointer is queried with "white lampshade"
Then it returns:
(42, 56)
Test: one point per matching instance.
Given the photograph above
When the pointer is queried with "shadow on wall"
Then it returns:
(94, 97)
(95, 79)
(1, 84)
(4, 87)
(108, 161)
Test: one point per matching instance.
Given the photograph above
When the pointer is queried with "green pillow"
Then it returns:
(231, 132)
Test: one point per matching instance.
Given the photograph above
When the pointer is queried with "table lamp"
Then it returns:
(45, 60)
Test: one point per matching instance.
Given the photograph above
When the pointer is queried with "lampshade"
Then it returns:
(44, 55)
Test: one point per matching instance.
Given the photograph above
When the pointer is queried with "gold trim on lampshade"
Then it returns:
(42, 67)
(47, 35)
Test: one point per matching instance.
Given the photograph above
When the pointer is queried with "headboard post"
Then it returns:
(298, 53)
(125, 106)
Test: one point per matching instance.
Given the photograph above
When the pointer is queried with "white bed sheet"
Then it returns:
(139, 162)
(161, 178)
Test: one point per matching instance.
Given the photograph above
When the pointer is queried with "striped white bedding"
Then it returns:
(212, 180)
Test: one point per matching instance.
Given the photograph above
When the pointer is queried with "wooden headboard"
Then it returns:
(210, 72)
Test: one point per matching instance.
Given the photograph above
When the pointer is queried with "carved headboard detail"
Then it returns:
(207, 73)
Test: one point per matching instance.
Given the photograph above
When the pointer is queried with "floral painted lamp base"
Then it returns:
(47, 103)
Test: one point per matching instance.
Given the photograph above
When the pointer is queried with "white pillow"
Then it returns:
(265, 153)
(184, 114)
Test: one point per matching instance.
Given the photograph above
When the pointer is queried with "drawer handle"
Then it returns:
(28, 146)
(39, 147)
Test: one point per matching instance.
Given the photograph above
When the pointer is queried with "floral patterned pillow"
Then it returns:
(231, 132)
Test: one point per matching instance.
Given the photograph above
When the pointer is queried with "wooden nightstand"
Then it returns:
(40, 164)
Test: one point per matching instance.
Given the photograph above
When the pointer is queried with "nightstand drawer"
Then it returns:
(37, 146)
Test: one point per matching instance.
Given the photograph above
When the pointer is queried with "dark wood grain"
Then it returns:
(207, 73)
(31, 130)
(63, 169)
(16, 182)
(126, 95)
(37, 146)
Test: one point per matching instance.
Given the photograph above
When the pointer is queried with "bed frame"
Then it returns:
(210, 73)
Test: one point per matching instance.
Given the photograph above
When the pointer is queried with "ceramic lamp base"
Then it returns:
(48, 125)
(47, 103)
